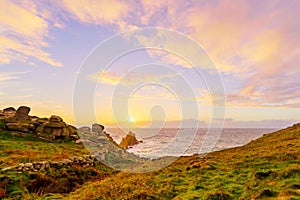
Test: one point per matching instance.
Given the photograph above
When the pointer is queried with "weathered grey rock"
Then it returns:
(28, 165)
(43, 120)
(23, 110)
(102, 139)
(44, 165)
(20, 167)
(55, 129)
(72, 130)
(55, 124)
(37, 165)
(34, 119)
(84, 129)
(57, 132)
(19, 126)
(40, 128)
(9, 109)
(9, 112)
(98, 128)
(55, 118)
(22, 113)
(13, 126)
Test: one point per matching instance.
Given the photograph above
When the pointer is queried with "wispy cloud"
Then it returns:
(113, 78)
(98, 12)
(7, 78)
(23, 34)
(259, 47)
(255, 42)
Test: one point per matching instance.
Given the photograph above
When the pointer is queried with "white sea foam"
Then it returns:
(177, 142)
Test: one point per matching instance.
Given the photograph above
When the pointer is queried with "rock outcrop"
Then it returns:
(128, 141)
(56, 128)
(105, 149)
(9, 109)
(22, 113)
(20, 123)
(98, 128)
(8, 112)
(95, 138)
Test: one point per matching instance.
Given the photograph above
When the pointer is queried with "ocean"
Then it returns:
(186, 141)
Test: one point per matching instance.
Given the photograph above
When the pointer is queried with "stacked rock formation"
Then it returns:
(20, 123)
(56, 128)
(9, 112)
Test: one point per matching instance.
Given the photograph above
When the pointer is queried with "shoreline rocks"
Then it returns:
(128, 141)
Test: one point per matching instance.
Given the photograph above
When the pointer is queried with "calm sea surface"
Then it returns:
(188, 141)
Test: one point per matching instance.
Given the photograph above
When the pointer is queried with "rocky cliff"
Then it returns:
(99, 143)
(20, 123)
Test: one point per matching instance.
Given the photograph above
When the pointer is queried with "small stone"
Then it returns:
(53, 164)
(28, 165)
(66, 161)
(78, 141)
(74, 137)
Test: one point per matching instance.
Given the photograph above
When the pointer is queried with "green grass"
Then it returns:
(14, 150)
(33, 185)
(267, 168)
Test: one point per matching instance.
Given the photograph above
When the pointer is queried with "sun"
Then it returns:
(130, 119)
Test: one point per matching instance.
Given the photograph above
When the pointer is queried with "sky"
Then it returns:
(254, 46)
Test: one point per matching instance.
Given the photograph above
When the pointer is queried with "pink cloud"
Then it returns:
(23, 34)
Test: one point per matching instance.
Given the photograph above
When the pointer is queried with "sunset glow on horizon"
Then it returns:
(255, 46)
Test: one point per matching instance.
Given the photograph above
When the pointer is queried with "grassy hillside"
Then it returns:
(14, 150)
(267, 168)
(34, 185)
